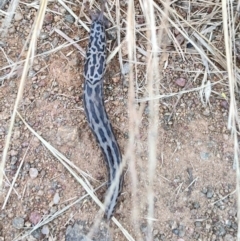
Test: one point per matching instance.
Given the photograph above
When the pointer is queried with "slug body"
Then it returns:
(97, 118)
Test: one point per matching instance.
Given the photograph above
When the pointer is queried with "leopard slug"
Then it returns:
(97, 117)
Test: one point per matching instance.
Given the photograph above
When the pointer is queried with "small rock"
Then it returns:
(116, 79)
(196, 205)
(204, 155)
(55, 41)
(180, 82)
(126, 69)
(56, 198)
(43, 35)
(221, 231)
(27, 224)
(12, 30)
(67, 135)
(46, 94)
(31, 73)
(14, 160)
(18, 222)
(204, 190)
(210, 193)
(143, 227)
(206, 112)
(35, 217)
(198, 224)
(112, 34)
(175, 231)
(224, 104)
(45, 230)
(18, 16)
(75, 233)
(48, 19)
(69, 18)
(33, 172)
(13, 153)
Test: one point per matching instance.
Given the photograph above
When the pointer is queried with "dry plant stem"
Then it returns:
(30, 53)
(7, 20)
(118, 33)
(52, 217)
(71, 41)
(233, 121)
(153, 89)
(88, 188)
(133, 116)
(74, 15)
(177, 93)
(15, 178)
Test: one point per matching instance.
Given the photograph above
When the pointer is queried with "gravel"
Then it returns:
(18, 222)
(69, 18)
(33, 172)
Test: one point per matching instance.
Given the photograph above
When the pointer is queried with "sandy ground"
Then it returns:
(194, 180)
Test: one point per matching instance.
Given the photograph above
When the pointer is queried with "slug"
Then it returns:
(95, 111)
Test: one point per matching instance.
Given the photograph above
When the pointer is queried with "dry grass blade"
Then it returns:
(87, 186)
(71, 41)
(11, 10)
(177, 93)
(74, 15)
(153, 90)
(30, 53)
(14, 179)
(50, 218)
(233, 121)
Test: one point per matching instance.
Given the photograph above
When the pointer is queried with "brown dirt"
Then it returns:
(195, 151)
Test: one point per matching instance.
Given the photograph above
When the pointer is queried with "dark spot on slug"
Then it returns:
(111, 159)
(97, 90)
(92, 70)
(116, 150)
(89, 90)
(102, 134)
(93, 112)
(102, 63)
(94, 58)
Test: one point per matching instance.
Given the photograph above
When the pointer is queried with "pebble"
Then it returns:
(48, 19)
(210, 193)
(35, 217)
(198, 224)
(196, 205)
(67, 135)
(13, 153)
(43, 35)
(69, 18)
(56, 198)
(180, 82)
(175, 231)
(75, 233)
(206, 112)
(181, 231)
(112, 34)
(126, 69)
(12, 30)
(45, 230)
(33, 172)
(225, 104)
(18, 16)
(204, 155)
(18, 222)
